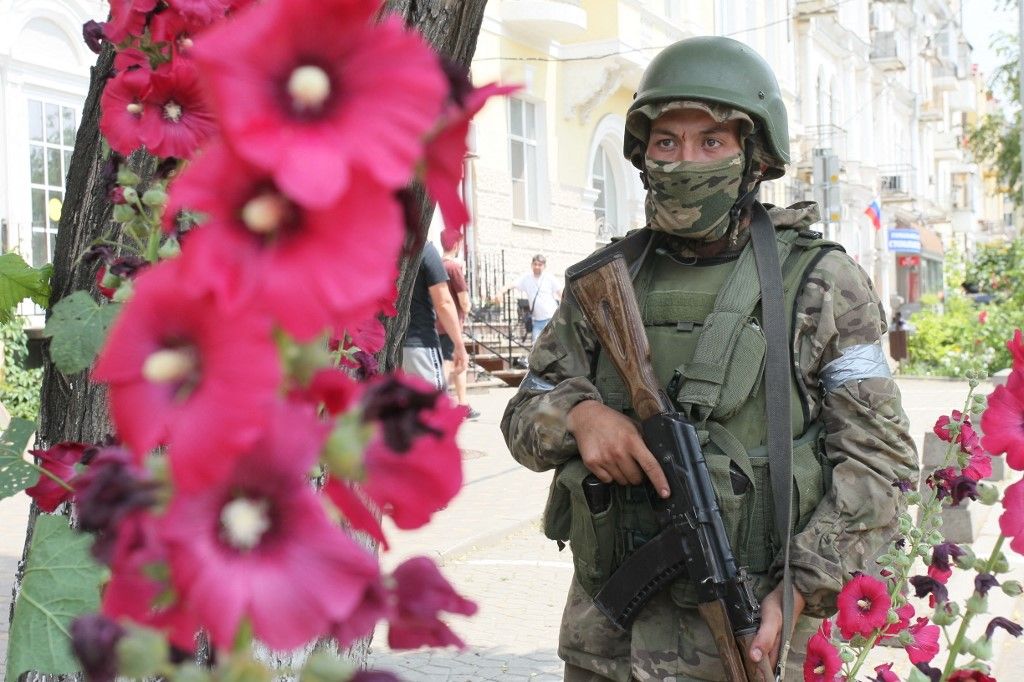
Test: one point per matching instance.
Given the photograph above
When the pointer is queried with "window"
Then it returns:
(606, 206)
(51, 135)
(523, 156)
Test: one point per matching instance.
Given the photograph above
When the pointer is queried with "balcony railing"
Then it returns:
(552, 19)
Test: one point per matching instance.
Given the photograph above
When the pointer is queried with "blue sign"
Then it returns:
(904, 240)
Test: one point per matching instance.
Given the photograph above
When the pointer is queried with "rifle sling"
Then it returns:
(779, 426)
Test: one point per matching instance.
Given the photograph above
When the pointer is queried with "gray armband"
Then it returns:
(863, 361)
(532, 382)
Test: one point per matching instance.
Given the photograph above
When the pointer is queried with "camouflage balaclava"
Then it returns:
(690, 199)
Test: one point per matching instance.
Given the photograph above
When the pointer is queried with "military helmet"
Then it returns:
(721, 70)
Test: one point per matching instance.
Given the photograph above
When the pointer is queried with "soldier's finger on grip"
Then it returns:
(653, 471)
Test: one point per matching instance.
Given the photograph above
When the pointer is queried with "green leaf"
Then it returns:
(18, 281)
(61, 583)
(78, 327)
(15, 473)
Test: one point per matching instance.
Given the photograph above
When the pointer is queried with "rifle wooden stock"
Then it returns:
(605, 295)
(604, 292)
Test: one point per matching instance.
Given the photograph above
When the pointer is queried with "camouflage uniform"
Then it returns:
(867, 443)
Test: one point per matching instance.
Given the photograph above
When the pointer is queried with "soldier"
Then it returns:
(706, 126)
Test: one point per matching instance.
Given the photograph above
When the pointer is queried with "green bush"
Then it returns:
(959, 338)
(20, 387)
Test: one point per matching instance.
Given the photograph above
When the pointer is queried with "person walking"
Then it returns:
(459, 292)
(432, 304)
(707, 125)
(541, 295)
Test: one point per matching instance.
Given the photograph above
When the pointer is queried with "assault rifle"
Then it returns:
(692, 541)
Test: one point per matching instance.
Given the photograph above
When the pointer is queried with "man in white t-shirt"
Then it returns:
(543, 293)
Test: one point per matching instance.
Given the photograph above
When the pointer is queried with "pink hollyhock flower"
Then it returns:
(413, 467)
(884, 673)
(445, 155)
(421, 593)
(941, 428)
(205, 11)
(186, 373)
(132, 59)
(178, 119)
(330, 387)
(258, 544)
(1016, 348)
(983, 317)
(353, 508)
(312, 270)
(298, 83)
(121, 107)
(1011, 521)
(127, 18)
(926, 641)
(942, 553)
(822, 663)
(59, 461)
(1003, 423)
(375, 606)
(863, 605)
(905, 613)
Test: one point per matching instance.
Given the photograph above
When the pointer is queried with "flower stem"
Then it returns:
(968, 615)
(153, 246)
(52, 476)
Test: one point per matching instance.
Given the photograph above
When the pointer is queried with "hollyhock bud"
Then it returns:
(131, 195)
(126, 177)
(977, 603)
(323, 667)
(344, 449)
(124, 291)
(981, 649)
(169, 249)
(142, 653)
(944, 615)
(1011, 588)
(988, 493)
(116, 196)
(884, 673)
(155, 197)
(93, 641)
(123, 212)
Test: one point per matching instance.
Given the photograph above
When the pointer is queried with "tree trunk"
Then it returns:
(73, 408)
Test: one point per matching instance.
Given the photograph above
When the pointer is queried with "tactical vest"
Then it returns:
(679, 303)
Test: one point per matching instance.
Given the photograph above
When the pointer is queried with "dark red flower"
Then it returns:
(939, 569)
(59, 461)
(257, 248)
(297, 85)
(863, 606)
(421, 593)
(259, 545)
(92, 33)
(933, 674)
(822, 663)
(983, 582)
(1004, 623)
(925, 585)
(111, 488)
(184, 372)
(94, 640)
(969, 675)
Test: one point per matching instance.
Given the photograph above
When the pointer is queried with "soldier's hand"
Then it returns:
(766, 641)
(611, 446)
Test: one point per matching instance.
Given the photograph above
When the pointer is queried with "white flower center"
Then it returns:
(265, 214)
(309, 87)
(864, 604)
(820, 670)
(134, 108)
(244, 522)
(172, 111)
(169, 364)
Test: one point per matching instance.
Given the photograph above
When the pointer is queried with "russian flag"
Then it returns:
(874, 211)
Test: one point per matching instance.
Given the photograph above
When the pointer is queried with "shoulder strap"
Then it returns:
(779, 426)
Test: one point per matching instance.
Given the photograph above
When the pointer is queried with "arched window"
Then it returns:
(606, 206)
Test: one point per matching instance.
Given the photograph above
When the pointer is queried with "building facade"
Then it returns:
(878, 93)
(44, 79)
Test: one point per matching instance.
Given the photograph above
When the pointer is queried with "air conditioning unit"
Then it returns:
(892, 183)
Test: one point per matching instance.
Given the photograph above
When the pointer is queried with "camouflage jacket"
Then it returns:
(867, 438)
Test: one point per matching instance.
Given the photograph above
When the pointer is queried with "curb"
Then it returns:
(485, 539)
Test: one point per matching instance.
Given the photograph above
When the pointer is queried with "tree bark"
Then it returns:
(73, 408)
